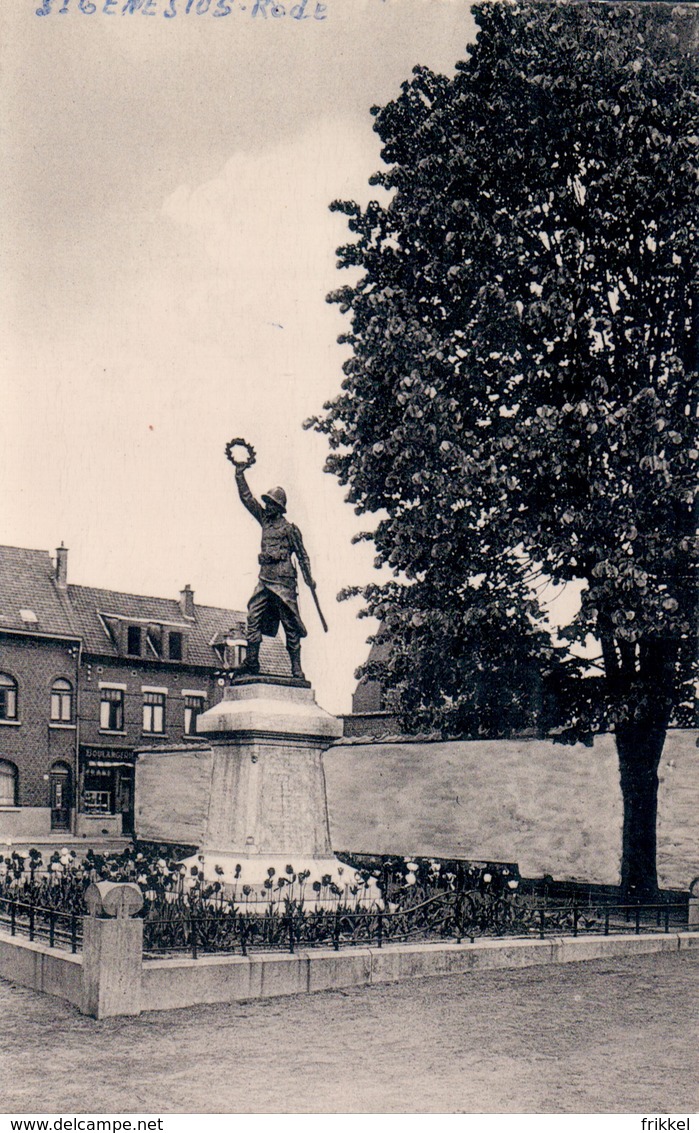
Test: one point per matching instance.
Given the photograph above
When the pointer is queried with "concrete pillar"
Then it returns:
(693, 920)
(112, 951)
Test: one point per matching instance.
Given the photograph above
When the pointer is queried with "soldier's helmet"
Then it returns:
(275, 496)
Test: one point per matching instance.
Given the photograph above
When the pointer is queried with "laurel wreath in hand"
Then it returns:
(240, 462)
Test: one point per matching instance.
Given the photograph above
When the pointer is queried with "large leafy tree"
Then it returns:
(520, 398)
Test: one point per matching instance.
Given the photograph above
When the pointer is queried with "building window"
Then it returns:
(133, 641)
(62, 702)
(112, 709)
(175, 646)
(97, 802)
(8, 783)
(154, 712)
(8, 697)
(235, 652)
(193, 708)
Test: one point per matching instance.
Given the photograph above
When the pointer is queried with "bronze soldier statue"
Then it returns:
(275, 598)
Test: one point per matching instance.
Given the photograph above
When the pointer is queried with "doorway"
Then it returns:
(125, 799)
(61, 796)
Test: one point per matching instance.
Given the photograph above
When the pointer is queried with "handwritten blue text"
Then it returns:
(261, 9)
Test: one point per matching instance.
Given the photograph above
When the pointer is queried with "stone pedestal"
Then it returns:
(267, 781)
(263, 827)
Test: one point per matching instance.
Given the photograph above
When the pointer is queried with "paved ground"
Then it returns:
(605, 1036)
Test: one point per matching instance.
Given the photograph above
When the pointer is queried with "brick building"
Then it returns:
(371, 713)
(89, 676)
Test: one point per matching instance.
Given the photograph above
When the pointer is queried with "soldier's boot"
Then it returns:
(295, 658)
(252, 659)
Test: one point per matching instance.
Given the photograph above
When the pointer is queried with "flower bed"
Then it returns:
(421, 899)
(61, 881)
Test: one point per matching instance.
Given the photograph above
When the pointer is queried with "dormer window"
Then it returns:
(112, 628)
(166, 641)
(154, 640)
(236, 649)
(230, 648)
(175, 645)
(134, 635)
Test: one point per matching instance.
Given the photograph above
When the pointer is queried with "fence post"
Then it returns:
(112, 950)
(336, 931)
(542, 923)
(193, 937)
(379, 930)
(386, 881)
(637, 925)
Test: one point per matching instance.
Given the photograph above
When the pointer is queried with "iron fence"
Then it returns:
(575, 919)
(446, 917)
(455, 917)
(38, 922)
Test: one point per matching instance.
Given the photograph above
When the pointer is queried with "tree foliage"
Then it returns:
(520, 398)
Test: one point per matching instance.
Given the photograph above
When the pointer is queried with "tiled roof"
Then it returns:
(27, 582)
(368, 696)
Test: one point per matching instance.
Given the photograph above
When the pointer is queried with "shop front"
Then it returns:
(106, 794)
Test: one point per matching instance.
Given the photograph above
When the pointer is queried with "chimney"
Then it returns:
(62, 566)
(187, 601)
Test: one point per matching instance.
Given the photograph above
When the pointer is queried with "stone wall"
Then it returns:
(678, 809)
(35, 965)
(172, 794)
(553, 809)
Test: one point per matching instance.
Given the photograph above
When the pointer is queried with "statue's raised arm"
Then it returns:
(275, 598)
(247, 499)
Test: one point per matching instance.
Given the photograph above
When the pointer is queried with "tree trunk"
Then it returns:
(639, 747)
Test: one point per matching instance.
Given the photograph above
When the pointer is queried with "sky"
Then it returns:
(166, 252)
